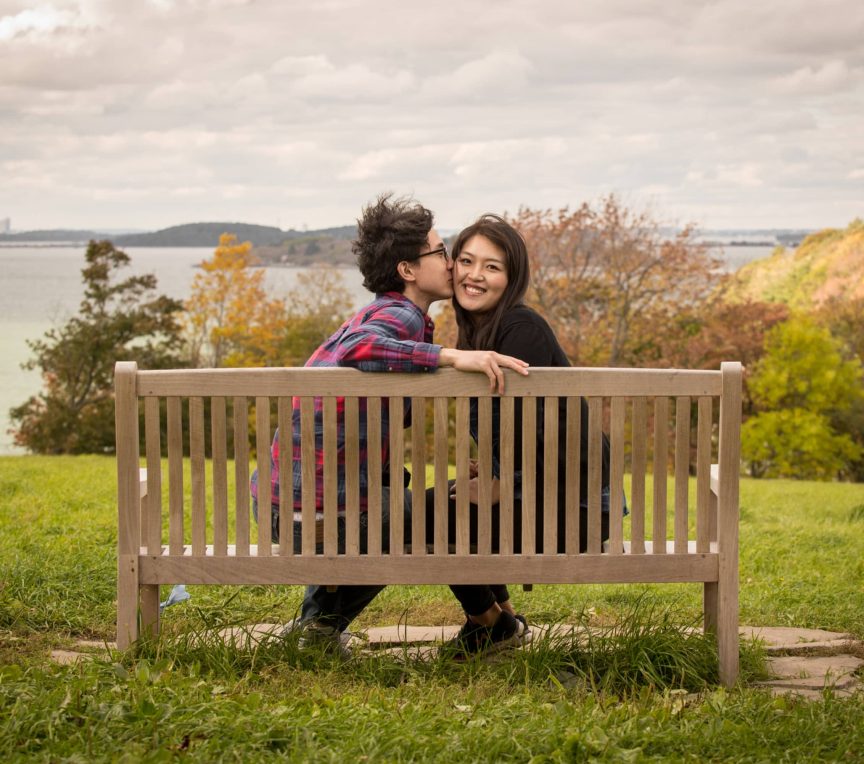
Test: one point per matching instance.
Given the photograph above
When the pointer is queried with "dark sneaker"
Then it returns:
(524, 621)
(475, 639)
(327, 639)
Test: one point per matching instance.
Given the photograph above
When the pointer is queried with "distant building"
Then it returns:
(5, 225)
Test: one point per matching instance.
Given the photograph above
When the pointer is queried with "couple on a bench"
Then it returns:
(405, 264)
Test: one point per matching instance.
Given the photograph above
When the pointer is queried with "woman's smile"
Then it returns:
(480, 275)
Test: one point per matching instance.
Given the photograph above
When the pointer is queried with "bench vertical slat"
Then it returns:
(241, 476)
(529, 475)
(484, 456)
(175, 475)
(574, 474)
(616, 477)
(505, 445)
(639, 448)
(550, 475)
(331, 540)
(397, 469)
(373, 447)
(661, 456)
(286, 477)
(727, 509)
(265, 499)
(442, 490)
(703, 473)
(199, 483)
(595, 474)
(219, 453)
(682, 473)
(418, 476)
(128, 503)
(463, 452)
(151, 519)
(307, 475)
(352, 476)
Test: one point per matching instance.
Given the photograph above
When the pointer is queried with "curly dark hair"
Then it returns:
(390, 230)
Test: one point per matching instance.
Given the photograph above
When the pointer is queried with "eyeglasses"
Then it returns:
(442, 250)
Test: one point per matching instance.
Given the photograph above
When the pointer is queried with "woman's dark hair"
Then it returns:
(477, 331)
(390, 230)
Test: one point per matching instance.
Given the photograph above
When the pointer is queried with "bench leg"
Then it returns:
(127, 601)
(150, 610)
(709, 607)
(727, 631)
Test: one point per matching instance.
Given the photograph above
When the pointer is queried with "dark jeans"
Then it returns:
(341, 606)
(478, 598)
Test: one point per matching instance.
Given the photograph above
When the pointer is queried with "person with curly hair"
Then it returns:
(405, 264)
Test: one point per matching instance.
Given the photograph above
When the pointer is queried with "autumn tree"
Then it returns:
(613, 283)
(118, 320)
(228, 306)
(803, 386)
(314, 309)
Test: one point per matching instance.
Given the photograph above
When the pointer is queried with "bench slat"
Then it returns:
(484, 456)
(307, 474)
(442, 491)
(241, 473)
(703, 472)
(175, 473)
(574, 473)
(529, 476)
(151, 518)
(219, 466)
(682, 472)
(463, 451)
(595, 473)
(616, 476)
(661, 459)
(286, 476)
(262, 448)
(352, 476)
(505, 507)
(373, 425)
(639, 459)
(397, 461)
(331, 540)
(550, 475)
(196, 460)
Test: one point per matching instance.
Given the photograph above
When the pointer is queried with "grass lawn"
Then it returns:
(648, 693)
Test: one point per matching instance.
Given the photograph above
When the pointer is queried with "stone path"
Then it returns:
(804, 661)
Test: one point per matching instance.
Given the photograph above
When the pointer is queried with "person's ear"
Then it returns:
(405, 269)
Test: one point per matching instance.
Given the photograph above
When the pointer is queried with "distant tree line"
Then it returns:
(616, 288)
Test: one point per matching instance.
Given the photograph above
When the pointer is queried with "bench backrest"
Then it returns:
(655, 420)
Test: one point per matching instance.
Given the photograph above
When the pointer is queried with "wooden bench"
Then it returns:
(663, 418)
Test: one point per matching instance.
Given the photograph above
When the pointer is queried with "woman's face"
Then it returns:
(479, 275)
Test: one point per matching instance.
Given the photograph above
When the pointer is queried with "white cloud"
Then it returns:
(828, 77)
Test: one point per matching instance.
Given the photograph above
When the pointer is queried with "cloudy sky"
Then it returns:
(149, 113)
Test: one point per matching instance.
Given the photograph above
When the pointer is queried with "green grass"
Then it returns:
(641, 687)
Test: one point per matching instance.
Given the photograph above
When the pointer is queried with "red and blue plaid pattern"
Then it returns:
(389, 334)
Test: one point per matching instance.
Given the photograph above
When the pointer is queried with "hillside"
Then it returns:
(207, 235)
(828, 263)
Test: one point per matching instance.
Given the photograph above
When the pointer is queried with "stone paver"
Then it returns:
(790, 640)
(804, 661)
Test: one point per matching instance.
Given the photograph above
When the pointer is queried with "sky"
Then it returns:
(142, 114)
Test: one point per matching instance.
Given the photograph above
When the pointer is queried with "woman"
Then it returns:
(490, 277)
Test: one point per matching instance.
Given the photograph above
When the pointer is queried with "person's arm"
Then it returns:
(388, 341)
(487, 362)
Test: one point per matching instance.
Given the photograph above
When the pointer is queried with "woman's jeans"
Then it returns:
(338, 608)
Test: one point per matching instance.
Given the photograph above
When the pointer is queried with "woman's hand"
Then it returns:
(474, 490)
(488, 362)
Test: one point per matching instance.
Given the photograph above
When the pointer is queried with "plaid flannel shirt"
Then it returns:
(389, 334)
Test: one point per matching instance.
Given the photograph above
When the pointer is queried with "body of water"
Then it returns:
(40, 288)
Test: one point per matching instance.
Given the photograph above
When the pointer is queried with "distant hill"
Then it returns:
(58, 236)
(187, 235)
(828, 263)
